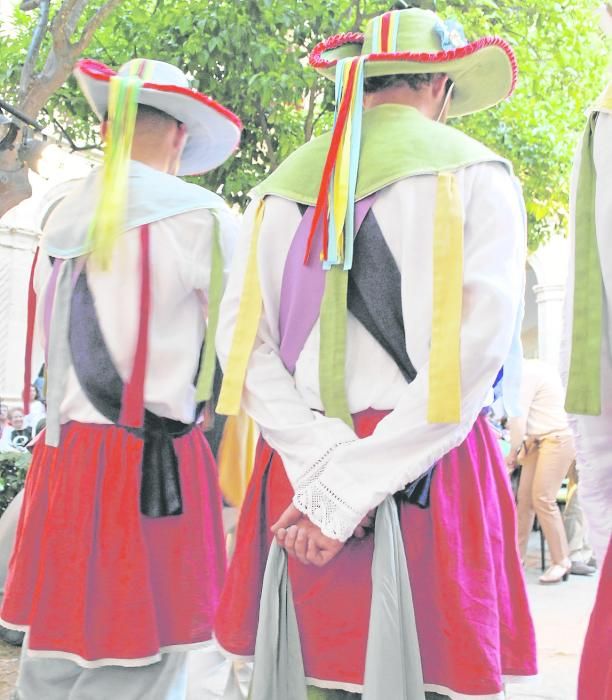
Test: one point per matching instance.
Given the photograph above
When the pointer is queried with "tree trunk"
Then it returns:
(36, 88)
(14, 183)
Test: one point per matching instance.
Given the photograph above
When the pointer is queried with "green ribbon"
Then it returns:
(215, 292)
(584, 386)
(332, 348)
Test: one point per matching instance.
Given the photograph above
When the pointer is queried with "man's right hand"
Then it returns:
(366, 526)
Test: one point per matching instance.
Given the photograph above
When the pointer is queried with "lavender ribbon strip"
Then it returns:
(303, 286)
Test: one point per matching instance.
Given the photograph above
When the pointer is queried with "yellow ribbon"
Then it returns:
(445, 355)
(236, 457)
(341, 174)
(245, 330)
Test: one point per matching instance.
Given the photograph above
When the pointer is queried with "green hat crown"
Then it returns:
(418, 31)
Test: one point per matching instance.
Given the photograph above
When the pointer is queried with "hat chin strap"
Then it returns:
(446, 102)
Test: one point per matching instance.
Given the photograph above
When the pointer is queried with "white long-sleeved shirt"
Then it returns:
(180, 250)
(338, 478)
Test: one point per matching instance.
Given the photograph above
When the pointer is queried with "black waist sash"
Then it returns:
(375, 299)
(160, 488)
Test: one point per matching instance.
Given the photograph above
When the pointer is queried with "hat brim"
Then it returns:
(213, 131)
(484, 72)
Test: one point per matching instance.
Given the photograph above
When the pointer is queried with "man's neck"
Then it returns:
(401, 95)
(157, 161)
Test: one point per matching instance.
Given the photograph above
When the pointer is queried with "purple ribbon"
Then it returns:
(303, 286)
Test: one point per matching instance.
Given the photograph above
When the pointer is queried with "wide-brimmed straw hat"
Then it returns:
(419, 41)
(213, 131)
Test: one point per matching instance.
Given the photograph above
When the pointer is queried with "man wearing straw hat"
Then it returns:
(588, 363)
(119, 557)
(373, 305)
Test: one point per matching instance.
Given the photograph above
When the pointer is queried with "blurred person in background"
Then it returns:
(3, 417)
(543, 444)
(37, 409)
(17, 435)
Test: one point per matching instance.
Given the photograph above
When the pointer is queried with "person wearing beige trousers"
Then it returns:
(543, 444)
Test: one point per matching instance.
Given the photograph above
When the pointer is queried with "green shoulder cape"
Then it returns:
(397, 142)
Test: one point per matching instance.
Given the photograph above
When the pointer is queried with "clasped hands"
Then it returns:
(302, 539)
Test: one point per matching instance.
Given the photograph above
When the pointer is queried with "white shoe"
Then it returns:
(556, 573)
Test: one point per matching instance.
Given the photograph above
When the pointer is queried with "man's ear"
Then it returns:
(180, 137)
(438, 85)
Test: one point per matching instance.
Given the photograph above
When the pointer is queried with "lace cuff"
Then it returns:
(322, 506)
(326, 510)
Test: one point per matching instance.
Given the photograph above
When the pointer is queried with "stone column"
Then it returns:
(16, 253)
(549, 263)
(549, 298)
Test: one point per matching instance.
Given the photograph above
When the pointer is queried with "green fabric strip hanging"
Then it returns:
(332, 348)
(215, 292)
(584, 388)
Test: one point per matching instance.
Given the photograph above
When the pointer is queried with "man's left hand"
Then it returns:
(302, 539)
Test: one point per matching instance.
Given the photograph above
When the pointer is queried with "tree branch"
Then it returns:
(62, 14)
(63, 53)
(265, 128)
(309, 121)
(34, 49)
(74, 16)
(63, 131)
(94, 23)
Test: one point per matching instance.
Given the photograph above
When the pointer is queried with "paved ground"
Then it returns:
(560, 614)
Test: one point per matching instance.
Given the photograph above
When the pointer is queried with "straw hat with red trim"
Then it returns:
(213, 132)
(419, 41)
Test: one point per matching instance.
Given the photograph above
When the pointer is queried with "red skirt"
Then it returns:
(473, 618)
(94, 580)
(595, 678)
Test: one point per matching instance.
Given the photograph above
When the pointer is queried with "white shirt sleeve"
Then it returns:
(360, 475)
(302, 436)
(193, 242)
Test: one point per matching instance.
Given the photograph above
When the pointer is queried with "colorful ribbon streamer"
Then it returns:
(108, 221)
(332, 348)
(245, 330)
(444, 404)
(584, 383)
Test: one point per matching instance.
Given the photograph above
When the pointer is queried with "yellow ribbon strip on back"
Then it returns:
(245, 330)
(341, 175)
(445, 354)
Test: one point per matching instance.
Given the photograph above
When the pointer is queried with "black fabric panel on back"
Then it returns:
(91, 359)
(160, 488)
(375, 293)
(375, 299)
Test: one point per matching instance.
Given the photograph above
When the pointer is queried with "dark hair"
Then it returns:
(421, 4)
(151, 113)
(413, 80)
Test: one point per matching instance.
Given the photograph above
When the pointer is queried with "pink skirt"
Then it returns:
(595, 677)
(94, 580)
(473, 618)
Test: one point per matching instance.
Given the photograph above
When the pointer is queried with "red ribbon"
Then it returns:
(384, 40)
(322, 199)
(27, 370)
(132, 402)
